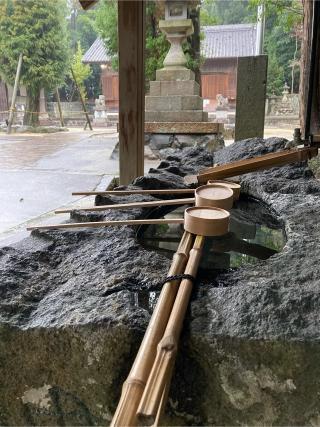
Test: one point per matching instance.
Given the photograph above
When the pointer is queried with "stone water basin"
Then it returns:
(71, 316)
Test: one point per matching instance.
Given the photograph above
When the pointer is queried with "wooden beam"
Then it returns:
(266, 161)
(131, 34)
(310, 70)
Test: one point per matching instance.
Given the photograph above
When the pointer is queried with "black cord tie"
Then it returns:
(178, 277)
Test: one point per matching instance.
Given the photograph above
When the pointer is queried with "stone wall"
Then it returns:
(282, 111)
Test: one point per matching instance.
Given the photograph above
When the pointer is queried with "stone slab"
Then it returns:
(174, 74)
(176, 116)
(173, 103)
(184, 127)
(183, 87)
(251, 96)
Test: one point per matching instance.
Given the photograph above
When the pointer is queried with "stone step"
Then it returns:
(176, 116)
(174, 74)
(182, 87)
(184, 127)
(173, 103)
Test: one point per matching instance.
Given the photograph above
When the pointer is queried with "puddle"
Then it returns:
(254, 235)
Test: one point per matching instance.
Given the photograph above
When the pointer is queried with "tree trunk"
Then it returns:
(194, 15)
(31, 117)
(310, 81)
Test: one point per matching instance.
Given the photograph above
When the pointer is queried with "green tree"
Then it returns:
(82, 28)
(224, 12)
(283, 20)
(282, 41)
(36, 28)
(157, 45)
(107, 28)
(80, 70)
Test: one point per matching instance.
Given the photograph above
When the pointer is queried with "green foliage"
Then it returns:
(206, 18)
(156, 44)
(82, 28)
(86, 32)
(36, 28)
(282, 21)
(223, 12)
(107, 27)
(80, 70)
(156, 50)
(287, 13)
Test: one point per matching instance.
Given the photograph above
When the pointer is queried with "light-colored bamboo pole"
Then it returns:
(107, 224)
(14, 94)
(132, 192)
(167, 347)
(133, 387)
(130, 205)
(59, 107)
(81, 99)
(164, 398)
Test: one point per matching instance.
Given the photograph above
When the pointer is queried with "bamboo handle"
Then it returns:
(125, 414)
(167, 348)
(107, 224)
(164, 397)
(130, 192)
(159, 377)
(131, 205)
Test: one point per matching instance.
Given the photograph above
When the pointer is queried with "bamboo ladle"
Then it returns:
(234, 186)
(198, 193)
(215, 195)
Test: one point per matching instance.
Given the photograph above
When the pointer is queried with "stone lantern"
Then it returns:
(285, 92)
(174, 106)
(177, 28)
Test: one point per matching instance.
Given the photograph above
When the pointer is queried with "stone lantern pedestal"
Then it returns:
(174, 106)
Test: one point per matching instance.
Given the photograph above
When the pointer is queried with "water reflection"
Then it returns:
(254, 235)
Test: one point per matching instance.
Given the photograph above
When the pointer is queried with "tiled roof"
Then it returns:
(229, 41)
(96, 54)
(220, 41)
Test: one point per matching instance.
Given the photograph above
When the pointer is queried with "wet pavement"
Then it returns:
(38, 173)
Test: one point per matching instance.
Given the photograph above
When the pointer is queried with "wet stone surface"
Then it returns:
(74, 306)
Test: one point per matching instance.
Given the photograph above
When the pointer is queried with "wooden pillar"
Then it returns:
(310, 74)
(131, 35)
